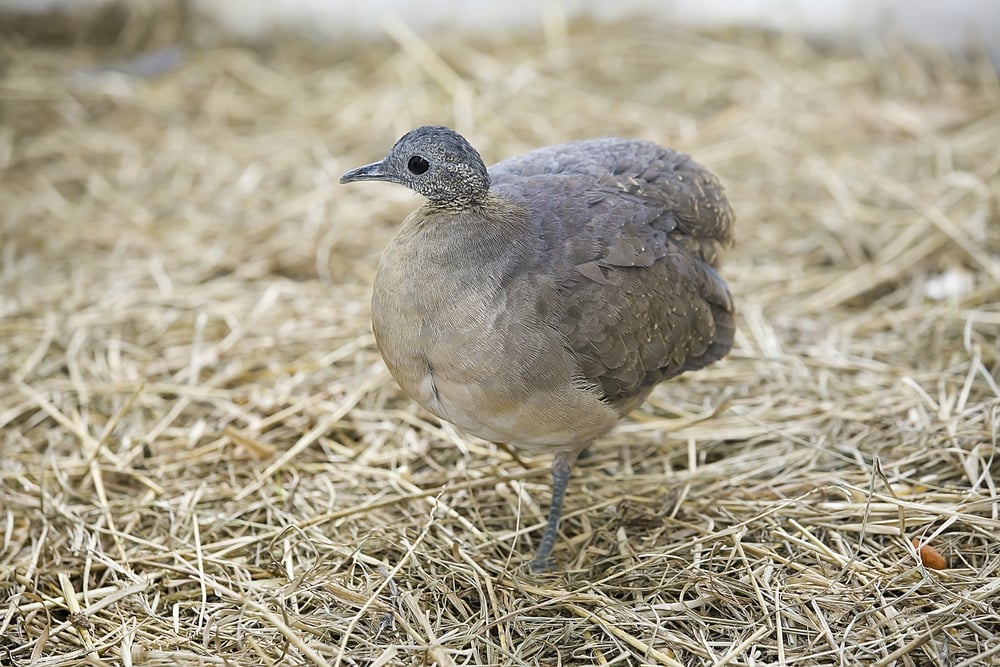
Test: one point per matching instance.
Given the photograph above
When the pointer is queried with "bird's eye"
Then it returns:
(417, 165)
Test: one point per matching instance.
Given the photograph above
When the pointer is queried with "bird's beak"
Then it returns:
(370, 172)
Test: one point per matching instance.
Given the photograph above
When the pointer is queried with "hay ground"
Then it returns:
(204, 461)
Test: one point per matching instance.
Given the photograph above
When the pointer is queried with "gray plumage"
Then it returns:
(538, 301)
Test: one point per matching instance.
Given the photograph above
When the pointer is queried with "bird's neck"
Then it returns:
(488, 229)
(441, 262)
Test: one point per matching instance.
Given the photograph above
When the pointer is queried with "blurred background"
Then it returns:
(954, 24)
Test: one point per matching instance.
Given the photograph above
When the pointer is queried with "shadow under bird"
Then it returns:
(538, 301)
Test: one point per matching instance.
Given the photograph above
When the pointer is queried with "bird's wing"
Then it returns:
(631, 232)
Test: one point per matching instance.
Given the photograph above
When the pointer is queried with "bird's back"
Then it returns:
(631, 233)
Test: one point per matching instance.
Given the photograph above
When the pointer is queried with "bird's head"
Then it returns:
(434, 161)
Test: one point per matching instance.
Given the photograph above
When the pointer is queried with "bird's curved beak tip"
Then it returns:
(370, 172)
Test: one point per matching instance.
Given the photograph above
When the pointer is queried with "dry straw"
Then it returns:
(204, 461)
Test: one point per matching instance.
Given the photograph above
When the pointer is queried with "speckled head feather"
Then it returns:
(434, 161)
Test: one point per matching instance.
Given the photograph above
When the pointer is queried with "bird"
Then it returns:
(536, 302)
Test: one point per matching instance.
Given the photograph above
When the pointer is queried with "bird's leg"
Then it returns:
(561, 468)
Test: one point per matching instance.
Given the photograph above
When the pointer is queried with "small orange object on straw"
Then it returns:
(929, 556)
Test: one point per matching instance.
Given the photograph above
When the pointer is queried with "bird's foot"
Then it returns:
(541, 565)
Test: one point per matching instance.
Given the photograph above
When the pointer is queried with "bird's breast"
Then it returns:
(455, 341)
(438, 335)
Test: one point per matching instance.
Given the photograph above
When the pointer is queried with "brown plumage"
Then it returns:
(537, 302)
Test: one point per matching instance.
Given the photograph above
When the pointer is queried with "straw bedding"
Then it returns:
(204, 461)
